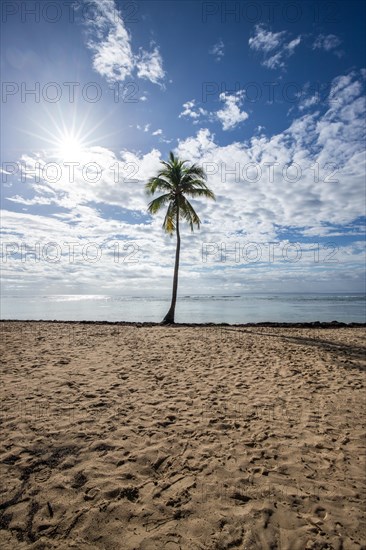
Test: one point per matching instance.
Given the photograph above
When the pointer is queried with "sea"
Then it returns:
(232, 309)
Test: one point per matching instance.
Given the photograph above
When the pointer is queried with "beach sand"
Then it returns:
(167, 438)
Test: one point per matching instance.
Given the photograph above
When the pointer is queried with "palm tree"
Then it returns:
(176, 181)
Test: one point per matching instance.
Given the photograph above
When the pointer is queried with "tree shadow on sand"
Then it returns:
(341, 351)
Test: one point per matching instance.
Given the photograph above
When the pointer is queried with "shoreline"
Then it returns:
(273, 324)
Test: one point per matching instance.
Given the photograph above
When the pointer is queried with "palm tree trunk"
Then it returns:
(169, 317)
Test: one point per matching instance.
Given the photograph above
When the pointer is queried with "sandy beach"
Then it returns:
(194, 438)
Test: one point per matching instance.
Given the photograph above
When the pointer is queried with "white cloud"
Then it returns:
(344, 89)
(188, 109)
(218, 50)
(318, 180)
(273, 46)
(308, 102)
(274, 62)
(197, 147)
(110, 41)
(320, 144)
(31, 202)
(113, 57)
(159, 133)
(150, 66)
(231, 115)
(191, 110)
(265, 41)
(116, 179)
(326, 42)
(292, 45)
(255, 197)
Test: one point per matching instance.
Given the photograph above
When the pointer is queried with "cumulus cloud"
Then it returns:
(314, 168)
(231, 115)
(100, 176)
(307, 179)
(110, 43)
(150, 66)
(191, 110)
(273, 47)
(308, 102)
(309, 175)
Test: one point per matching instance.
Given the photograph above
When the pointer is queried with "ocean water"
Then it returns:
(245, 308)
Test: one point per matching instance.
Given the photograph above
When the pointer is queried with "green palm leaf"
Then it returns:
(158, 203)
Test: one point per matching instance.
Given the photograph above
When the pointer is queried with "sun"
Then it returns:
(69, 147)
(69, 137)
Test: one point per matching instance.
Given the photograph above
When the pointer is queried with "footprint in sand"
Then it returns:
(320, 512)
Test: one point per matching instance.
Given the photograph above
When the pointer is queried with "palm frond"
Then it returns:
(169, 223)
(189, 214)
(196, 171)
(200, 192)
(156, 204)
(158, 183)
(177, 181)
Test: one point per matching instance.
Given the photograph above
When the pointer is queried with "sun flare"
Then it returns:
(69, 148)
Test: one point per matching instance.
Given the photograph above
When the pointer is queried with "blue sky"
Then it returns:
(267, 97)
